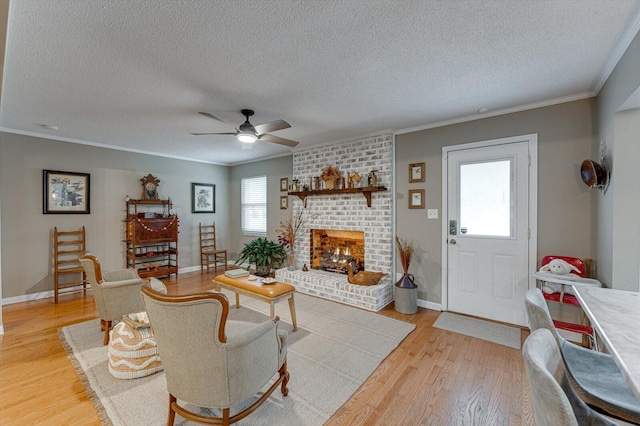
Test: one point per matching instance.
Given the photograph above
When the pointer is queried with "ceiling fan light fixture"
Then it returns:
(246, 138)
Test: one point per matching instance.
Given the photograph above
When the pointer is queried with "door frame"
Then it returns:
(532, 140)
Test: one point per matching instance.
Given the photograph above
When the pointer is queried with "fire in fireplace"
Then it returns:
(331, 250)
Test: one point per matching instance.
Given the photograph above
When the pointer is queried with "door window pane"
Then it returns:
(486, 198)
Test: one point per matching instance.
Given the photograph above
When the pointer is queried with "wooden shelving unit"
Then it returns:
(367, 191)
(152, 242)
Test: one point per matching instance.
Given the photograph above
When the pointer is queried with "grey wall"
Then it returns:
(612, 241)
(274, 169)
(565, 214)
(626, 204)
(27, 232)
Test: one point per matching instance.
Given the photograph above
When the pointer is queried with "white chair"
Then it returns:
(555, 402)
(595, 376)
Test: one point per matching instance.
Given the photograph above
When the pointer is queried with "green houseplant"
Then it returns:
(263, 253)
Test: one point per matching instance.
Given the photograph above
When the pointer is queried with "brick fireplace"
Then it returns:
(337, 213)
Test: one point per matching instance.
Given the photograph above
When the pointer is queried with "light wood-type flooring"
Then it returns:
(434, 377)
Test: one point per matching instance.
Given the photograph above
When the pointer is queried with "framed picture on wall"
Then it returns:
(65, 192)
(416, 172)
(284, 202)
(203, 198)
(284, 184)
(416, 198)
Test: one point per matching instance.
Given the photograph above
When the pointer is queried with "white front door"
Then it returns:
(487, 226)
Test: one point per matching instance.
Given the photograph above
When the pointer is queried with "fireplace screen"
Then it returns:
(331, 250)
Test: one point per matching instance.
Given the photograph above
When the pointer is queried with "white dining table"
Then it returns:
(615, 315)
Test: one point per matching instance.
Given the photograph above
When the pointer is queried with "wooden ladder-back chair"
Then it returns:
(209, 251)
(68, 246)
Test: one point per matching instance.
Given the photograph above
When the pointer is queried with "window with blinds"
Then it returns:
(254, 206)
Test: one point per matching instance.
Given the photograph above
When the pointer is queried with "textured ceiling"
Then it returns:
(133, 74)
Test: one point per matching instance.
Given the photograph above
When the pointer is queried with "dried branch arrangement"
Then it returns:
(405, 248)
(290, 230)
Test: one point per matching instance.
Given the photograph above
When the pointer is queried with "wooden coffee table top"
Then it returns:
(256, 286)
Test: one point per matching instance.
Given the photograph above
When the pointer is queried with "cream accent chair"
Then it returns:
(554, 400)
(116, 293)
(211, 362)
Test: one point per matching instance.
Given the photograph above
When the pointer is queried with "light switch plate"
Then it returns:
(432, 213)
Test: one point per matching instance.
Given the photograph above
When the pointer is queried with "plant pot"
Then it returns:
(406, 295)
(263, 270)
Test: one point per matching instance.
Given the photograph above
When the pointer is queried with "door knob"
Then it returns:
(452, 241)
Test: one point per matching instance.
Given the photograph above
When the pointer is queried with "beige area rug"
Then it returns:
(333, 352)
(485, 330)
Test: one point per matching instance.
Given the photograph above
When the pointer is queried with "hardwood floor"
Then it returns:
(434, 377)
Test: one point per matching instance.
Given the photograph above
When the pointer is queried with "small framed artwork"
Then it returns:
(416, 198)
(203, 198)
(65, 192)
(416, 172)
(284, 184)
(284, 202)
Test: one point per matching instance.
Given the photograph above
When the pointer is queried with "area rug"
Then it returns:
(485, 330)
(335, 349)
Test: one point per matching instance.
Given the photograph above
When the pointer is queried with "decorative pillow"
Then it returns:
(132, 352)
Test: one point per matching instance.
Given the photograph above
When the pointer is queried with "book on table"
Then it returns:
(236, 273)
(137, 320)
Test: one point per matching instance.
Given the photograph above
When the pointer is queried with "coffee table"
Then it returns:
(270, 293)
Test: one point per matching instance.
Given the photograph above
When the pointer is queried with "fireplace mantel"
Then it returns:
(364, 191)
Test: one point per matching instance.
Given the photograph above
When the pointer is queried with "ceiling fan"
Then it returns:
(248, 133)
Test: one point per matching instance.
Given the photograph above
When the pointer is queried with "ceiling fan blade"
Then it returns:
(206, 114)
(278, 140)
(200, 134)
(213, 117)
(261, 129)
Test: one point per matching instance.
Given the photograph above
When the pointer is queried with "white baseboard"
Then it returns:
(429, 305)
(27, 297)
(45, 294)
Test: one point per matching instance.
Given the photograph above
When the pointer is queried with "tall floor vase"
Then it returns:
(406, 300)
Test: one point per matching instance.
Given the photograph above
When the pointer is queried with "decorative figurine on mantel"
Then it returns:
(150, 187)
(330, 175)
(372, 180)
(353, 179)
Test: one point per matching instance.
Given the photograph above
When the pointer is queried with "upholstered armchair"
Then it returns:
(116, 293)
(213, 362)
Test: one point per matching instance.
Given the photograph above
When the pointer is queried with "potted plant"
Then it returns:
(263, 253)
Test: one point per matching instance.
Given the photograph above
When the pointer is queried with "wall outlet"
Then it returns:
(432, 213)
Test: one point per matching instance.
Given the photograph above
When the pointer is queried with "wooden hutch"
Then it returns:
(152, 234)
(152, 237)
